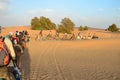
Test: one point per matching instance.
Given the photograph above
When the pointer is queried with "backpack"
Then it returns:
(4, 54)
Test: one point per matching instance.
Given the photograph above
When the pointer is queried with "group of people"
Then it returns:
(18, 40)
(15, 45)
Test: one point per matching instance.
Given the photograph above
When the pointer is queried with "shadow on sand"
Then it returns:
(25, 65)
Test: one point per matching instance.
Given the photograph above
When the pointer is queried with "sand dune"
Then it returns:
(72, 60)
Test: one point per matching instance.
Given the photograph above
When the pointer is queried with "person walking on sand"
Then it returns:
(41, 33)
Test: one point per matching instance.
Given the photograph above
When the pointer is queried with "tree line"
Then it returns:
(66, 25)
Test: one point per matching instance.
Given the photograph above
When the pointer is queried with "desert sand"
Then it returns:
(97, 59)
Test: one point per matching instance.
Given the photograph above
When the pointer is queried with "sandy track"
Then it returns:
(74, 60)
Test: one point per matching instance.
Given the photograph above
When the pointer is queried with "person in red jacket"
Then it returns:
(15, 40)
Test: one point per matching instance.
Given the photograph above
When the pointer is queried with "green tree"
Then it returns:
(42, 23)
(113, 28)
(80, 28)
(66, 26)
(35, 23)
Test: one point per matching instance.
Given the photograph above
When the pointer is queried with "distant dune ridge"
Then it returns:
(97, 59)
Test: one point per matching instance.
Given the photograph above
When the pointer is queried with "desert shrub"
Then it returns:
(66, 26)
(42, 23)
(106, 29)
(81, 28)
(113, 28)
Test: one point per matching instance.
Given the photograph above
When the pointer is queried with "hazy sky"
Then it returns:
(92, 13)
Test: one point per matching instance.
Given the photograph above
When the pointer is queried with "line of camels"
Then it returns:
(65, 36)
